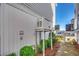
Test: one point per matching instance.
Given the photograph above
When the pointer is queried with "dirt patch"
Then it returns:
(49, 52)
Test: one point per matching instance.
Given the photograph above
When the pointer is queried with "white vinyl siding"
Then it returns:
(15, 21)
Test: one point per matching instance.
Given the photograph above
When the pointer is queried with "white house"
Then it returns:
(20, 24)
(69, 36)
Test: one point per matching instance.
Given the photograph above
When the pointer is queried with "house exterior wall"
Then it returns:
(69, 37)
(76, 22)
(47, 24)
(68, 27)
(13, 21)
(78, 37)
(0, 30)
(72, 22)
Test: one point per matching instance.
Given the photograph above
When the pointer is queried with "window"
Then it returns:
(39, 23)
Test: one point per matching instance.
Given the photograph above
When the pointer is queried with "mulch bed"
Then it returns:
(39, 54)
(77, 46)
(49, 52)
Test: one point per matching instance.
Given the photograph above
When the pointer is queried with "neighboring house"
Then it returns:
(70, 33)
(69, 36)
(69, 27)
(72, 22)
(57, 27)
(20, 25)
(76, 22)
(60, 33)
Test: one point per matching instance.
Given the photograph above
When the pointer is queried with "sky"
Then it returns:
(64, 14)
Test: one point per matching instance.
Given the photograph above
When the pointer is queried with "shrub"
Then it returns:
(40, 48)
(59, 38)
(53, 34)
(11, 54)
(48, 42)
(54, 41)
(27, 51)
(45, 41)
